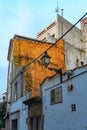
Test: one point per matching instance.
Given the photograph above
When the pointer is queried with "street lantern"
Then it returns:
(45, 59)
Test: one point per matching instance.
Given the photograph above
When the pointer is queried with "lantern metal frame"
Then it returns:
(46, 61)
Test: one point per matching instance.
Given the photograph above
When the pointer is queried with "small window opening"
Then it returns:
(53, 35)
(73, 107)
(85, 24)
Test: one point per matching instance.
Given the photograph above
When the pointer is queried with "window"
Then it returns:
(77, 62)
(73, 107)
(85, 24)
(15, 124)
(56, 95)
(15, 91)
(44, 39)
(53, 35)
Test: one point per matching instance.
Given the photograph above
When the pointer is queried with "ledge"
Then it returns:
(32, 100)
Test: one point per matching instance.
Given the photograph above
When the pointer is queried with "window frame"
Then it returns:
(15, 91)
(56, 95)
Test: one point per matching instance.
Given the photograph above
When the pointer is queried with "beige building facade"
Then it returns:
(59, 27)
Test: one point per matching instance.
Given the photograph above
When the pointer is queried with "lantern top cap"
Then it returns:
(46, 55)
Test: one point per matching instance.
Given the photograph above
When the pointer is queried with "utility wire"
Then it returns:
(56, 41)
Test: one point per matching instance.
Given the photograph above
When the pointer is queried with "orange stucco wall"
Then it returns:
(25, 51)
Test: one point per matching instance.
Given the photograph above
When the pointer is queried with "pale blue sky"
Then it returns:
(27, 18)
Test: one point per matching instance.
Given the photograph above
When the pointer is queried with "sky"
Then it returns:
(27, 18)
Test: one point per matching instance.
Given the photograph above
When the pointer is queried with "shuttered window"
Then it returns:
(56, 95)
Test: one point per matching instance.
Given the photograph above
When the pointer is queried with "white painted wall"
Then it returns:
(72, 55)
(16, 107)
(59, 116)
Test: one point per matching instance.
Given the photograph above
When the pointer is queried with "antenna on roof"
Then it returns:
(57, 9)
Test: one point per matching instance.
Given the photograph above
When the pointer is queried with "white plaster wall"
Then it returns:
(51, 31)
(73, 54)
(9, 80)
(83, 24)
(59, 116)
(73, 36)
(84, 36)
(23, 113)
